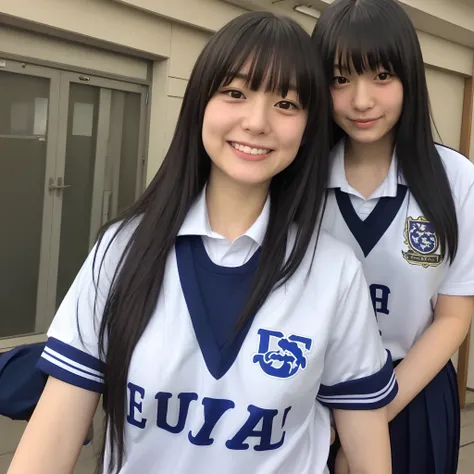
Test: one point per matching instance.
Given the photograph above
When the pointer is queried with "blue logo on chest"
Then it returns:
(281, 356)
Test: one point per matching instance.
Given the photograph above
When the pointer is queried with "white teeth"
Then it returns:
(250, 151)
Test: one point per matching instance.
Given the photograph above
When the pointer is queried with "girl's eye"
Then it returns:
(339, 81)
(234, 94)
(285, 105)
(384, 76)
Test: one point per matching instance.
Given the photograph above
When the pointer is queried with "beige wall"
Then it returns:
(170, 79)
(195, 12)
(447, 97)
(100, 21)
(445, 54)
(449, 19)
(26, 44)
(191, 12)
(457, 13)
(429, 15)
(186, 45)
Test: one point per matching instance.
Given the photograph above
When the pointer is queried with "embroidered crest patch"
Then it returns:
(422, 243)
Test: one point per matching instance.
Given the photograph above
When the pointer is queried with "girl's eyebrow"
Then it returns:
(245, 77)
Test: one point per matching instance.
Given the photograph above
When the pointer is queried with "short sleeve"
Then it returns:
(72, 349)
(459, 280)
(358, 372)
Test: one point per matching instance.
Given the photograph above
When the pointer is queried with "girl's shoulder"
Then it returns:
(332, 259)
(111, 245)
(337, 255)
(459, 169)
(118, 234)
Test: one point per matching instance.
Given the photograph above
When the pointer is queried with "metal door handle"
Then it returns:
(58, 186)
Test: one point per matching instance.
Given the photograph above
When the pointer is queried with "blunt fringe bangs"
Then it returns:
(274, 53)
(272, 49)
(364, 35)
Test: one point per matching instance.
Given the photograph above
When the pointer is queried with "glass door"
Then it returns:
(100, 157)
(28, 131)
(71, 158)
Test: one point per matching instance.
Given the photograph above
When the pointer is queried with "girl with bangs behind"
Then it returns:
(404, 204)
(219, 326)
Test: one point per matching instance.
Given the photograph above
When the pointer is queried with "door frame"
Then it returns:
(105, 87)
(16, 67)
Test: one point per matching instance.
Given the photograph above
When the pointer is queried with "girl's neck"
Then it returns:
(357, 153)
(232, 207)
(367, 164)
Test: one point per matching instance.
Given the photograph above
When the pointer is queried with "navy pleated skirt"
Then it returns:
(425, 436)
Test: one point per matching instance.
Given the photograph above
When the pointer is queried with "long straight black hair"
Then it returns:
(365, 34)
(279, 54)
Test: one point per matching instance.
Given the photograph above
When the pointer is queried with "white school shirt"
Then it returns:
(398, 249)
(313, 345)
(219, 249)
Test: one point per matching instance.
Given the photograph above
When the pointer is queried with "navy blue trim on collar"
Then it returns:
(215, 297)
(369, 232)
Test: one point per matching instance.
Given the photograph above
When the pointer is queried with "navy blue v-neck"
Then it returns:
(369, 231)
(215, 297)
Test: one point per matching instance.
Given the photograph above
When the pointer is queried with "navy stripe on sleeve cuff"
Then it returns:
(72, 366)
(367, 393)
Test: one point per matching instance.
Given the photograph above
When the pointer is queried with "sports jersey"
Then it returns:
(197, 403)
(398, 247)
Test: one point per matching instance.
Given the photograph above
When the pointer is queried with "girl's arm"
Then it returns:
(358, 380)
(365, 439)
(54, 436)
(433, 350)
